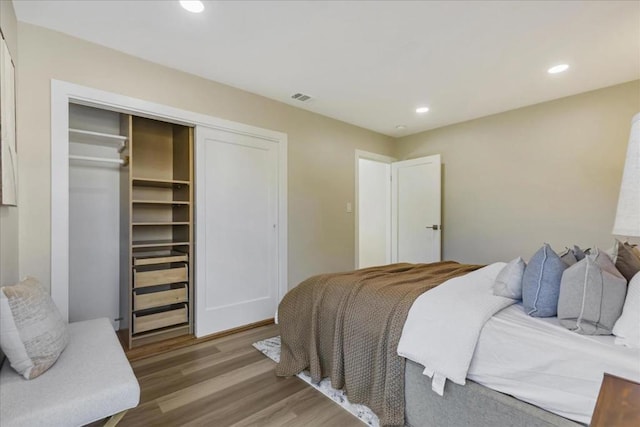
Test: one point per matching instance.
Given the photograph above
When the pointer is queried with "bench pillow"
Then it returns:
(32, 331)
(541, 283)
(592, 294)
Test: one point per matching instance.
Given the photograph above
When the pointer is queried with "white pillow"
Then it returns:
(627, 327)
(509, 280)
(32, 331)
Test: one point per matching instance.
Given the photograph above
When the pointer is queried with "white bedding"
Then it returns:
(443, 325)
(460, 329)
(540, 362)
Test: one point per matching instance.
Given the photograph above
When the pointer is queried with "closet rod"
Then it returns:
(100, 159)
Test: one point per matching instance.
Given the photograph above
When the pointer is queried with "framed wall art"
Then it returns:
(8, 159)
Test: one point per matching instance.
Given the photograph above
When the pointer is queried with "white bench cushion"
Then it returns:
(91, 380)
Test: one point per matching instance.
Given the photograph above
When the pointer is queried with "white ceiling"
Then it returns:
(372, 63)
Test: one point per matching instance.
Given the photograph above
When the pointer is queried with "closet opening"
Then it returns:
(130, 223)
(124, 209)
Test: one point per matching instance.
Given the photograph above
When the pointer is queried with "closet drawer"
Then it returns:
(142, 279)
(158, 299)
(160, 259)
(148, 322)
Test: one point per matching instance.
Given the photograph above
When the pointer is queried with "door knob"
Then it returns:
(433, 227)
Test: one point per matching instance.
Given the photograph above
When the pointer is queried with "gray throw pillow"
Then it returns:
(32, 332)
(579, 253)
(592, 294)
(627, 262)
(541, 283)
(508, 283)
(569, 257)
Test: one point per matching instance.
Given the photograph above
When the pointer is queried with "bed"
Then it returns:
(336, 326)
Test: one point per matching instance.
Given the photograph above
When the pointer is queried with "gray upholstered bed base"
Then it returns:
(468, 405)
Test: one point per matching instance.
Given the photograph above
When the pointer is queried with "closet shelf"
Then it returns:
(161, 202)
(122, 162)
(158, 243)
(97, 138)
(160, 223)
(165, 183)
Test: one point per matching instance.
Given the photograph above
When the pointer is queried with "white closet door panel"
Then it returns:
(240, 199)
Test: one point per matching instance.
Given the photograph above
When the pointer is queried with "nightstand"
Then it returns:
(618, 403)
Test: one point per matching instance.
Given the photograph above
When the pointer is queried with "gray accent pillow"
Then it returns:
(32, 331)
(579, 253)
(592, 294)
(509, 280)
(541, 283)
(569, 257)
(627, 262)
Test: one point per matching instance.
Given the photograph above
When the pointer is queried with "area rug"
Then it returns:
(271, 348)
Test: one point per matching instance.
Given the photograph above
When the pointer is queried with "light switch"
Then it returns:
(349, 210)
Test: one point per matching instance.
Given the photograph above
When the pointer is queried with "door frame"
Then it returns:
(63, 93)
(360, 154)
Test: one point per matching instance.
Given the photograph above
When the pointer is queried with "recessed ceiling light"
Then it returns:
(194, 6)
(422, 110)
(558, 68)
(401, 127)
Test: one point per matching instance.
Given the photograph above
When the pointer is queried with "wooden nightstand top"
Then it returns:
(618, 403)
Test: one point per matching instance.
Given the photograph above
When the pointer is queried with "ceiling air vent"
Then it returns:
(301, 97)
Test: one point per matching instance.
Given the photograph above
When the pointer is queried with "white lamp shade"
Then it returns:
(628, 214)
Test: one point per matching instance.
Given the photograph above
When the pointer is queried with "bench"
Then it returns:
(91, 380)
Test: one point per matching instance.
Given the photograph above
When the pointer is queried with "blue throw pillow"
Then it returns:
(541, 283)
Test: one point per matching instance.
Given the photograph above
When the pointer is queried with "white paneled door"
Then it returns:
(237, 228)
(416, 210)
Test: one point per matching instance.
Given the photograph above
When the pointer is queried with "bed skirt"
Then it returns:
(468, 405)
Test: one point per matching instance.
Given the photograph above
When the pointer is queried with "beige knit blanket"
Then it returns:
(347, 326)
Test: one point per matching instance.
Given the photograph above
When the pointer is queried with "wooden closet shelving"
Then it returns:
(160, 246)
(136, 224)
(159, 202)
(168, 183)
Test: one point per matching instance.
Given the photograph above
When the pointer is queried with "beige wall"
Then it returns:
(321, 150)
(9, 214)
(546, 173)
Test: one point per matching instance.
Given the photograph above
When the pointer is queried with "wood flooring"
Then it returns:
(226, 382)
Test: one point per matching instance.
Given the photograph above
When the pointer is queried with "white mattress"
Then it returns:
(540, 362)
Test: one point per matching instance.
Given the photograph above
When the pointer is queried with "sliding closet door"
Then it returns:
(237, 229)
